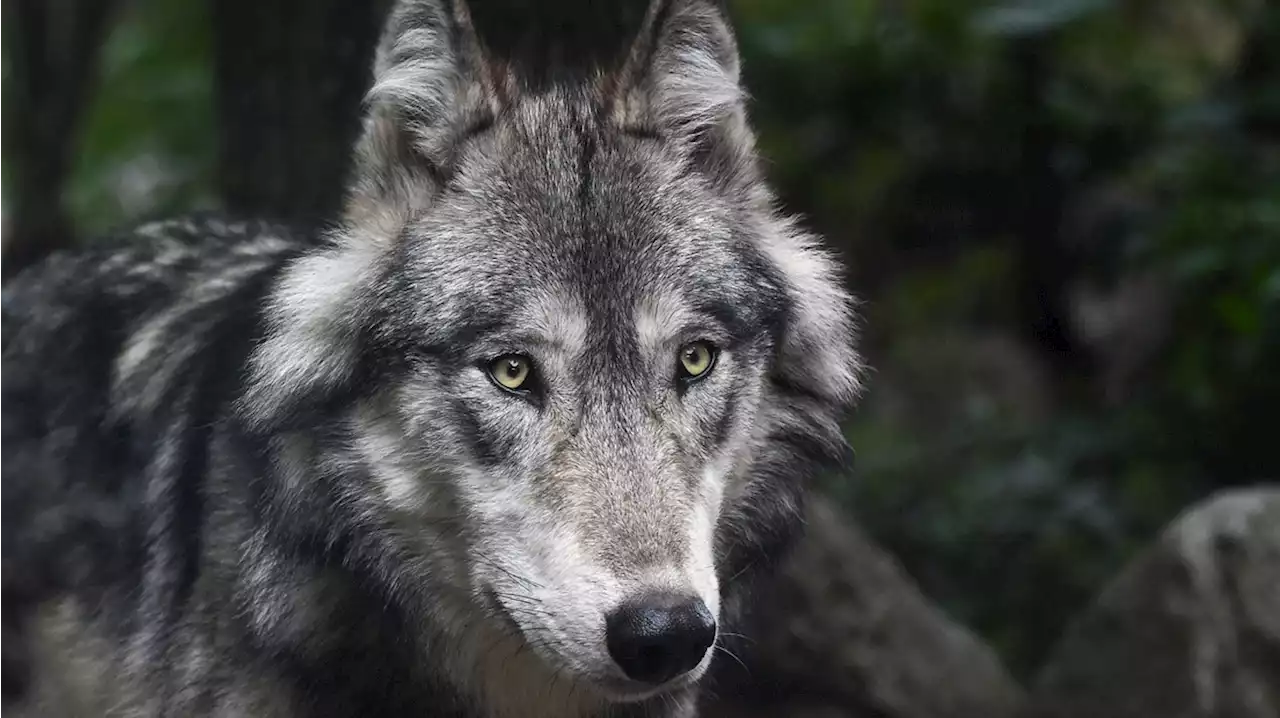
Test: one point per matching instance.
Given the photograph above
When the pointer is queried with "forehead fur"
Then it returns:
(611, 215)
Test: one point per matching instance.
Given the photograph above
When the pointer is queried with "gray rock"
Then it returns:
(846, 633)
(1190, 629)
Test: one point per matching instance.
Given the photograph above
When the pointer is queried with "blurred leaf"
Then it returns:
(149, 140)
(1034, 17)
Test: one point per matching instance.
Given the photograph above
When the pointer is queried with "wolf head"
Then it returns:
(574, 365)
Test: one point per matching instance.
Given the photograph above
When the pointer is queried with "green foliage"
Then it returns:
(1035, 17)
(148, 145)
(1220, 243)
(1012, 493)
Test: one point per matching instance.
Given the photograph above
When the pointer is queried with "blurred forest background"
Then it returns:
(1063, 217)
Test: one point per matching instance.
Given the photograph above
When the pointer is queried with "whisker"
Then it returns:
(732, 655)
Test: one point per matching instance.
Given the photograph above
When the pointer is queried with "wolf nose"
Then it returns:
(658, 637)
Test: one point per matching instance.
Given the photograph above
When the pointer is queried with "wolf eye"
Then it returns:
(696, 359)
(511, 371)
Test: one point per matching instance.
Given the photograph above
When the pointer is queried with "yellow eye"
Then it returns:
(510, 371)
(696, 359)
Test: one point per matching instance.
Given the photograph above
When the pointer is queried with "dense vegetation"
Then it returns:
(1063, 217)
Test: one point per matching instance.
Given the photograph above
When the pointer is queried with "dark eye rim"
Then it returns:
(530, 380)
(683, 374)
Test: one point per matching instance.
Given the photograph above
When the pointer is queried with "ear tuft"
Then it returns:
(430, 85)
(695, 69)
(681, 79)
(417, 70)
(429, 74)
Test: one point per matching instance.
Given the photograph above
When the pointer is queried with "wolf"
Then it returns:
(515, 436)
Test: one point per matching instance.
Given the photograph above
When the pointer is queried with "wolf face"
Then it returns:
(579, 364)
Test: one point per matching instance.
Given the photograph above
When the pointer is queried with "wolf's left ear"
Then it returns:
(681, 79)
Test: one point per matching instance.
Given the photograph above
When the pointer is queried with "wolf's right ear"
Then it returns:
(431, 86)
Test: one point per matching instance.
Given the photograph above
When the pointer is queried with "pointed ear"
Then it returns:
(431, 87)
(681, 79)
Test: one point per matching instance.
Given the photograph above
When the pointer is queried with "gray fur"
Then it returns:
(327, 507)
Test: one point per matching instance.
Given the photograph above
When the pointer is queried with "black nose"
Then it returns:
(658, 637)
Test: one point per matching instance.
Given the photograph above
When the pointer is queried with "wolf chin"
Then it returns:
(512, 439)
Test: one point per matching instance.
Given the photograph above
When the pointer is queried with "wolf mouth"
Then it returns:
(614, 688)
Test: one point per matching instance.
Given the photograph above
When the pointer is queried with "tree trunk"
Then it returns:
(53, 51)
(290, 75)
(1044, 265)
